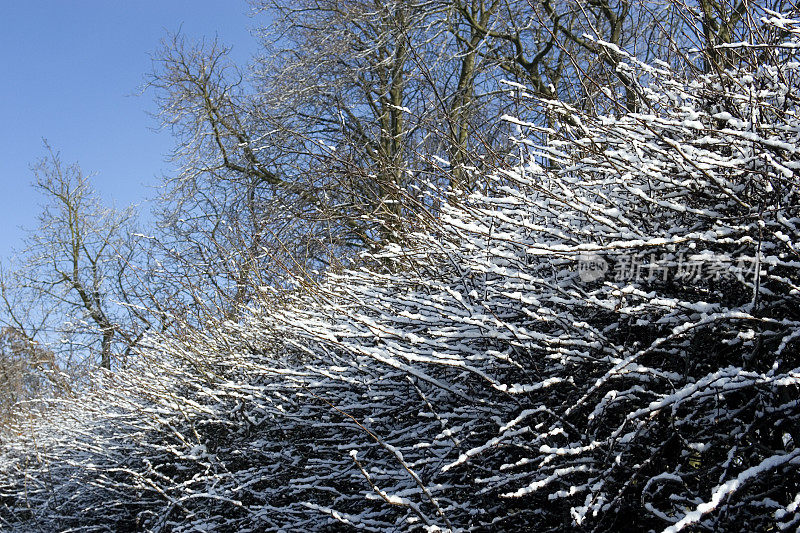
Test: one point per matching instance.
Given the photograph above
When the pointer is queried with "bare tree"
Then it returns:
(65, 290)
(320, 150)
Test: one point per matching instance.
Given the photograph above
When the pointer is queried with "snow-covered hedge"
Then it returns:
(608, 340)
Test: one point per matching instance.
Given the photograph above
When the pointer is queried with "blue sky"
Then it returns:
(72, 73)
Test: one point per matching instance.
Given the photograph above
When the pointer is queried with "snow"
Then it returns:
(479, 368)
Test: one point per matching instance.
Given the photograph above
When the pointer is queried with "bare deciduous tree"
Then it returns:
(65, 290)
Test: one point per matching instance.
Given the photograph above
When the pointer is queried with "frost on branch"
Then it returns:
(607, 340)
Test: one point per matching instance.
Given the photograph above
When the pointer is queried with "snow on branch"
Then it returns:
(605, 338)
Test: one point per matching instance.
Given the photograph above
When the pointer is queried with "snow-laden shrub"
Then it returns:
(607, 341)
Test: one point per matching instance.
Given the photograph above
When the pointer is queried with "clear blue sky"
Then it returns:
(72, 72)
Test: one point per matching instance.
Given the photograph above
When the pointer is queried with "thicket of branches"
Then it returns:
(604, 336)
(324, 148)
